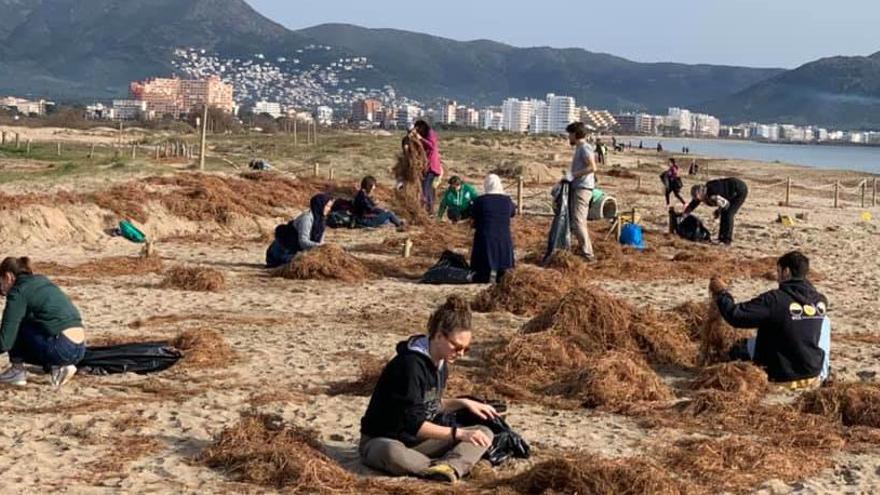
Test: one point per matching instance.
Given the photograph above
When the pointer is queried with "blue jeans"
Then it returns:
(379, 219)
(824, 344)
(428, 191)
(33, 346)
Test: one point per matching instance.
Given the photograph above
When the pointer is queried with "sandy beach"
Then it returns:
(291, 340)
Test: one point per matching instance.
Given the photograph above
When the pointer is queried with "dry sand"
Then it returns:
(292, 339)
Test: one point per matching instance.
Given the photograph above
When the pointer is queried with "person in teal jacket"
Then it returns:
(457, 200)
(41, 326)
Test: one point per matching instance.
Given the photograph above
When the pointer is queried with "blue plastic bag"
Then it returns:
(631, 235)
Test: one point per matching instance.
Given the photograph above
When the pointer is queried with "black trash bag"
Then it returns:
(506, 443)
(340, 220)
(140, 358)
(452, 268)
(690, 227)
(559, 236)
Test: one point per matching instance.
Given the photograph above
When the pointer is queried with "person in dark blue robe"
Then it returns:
(493, 243)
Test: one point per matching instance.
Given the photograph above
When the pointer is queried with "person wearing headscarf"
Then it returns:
(301, 234)
(493, 243)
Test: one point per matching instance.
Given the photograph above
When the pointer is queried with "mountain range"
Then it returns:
(90, 49)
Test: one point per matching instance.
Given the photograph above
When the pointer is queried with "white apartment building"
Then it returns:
(705, 125)
(516, 115)
(540, 121)
(131, 110)
(680, 119)
(324, 115)
(447, 112)
(407, 115)
(272, 109)
(486, 118)
(467, 117)
(561, 111)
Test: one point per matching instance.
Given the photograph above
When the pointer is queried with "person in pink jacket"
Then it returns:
(434, 172)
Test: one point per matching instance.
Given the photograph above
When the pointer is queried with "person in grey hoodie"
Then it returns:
(303, 233)
(401, 432)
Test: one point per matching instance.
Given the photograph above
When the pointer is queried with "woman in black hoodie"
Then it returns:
(401, 432)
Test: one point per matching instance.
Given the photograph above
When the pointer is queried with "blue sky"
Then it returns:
(757, 33)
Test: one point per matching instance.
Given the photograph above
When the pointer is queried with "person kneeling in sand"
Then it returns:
(793, 343)
(367, 213)
(41, 326)
(457, 200)
(303, 233)
(400, 432)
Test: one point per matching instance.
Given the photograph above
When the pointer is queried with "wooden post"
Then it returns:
(836, 193)
(864, 191)
(317, 169)
(295, 135)
(308, 133)
(639, 183)
(633, 213)
(58, 148)
(874, 192)
(3, 139)
(16, 140)
(120, 132)
(407, 247)
(202, 147)
(331, 174)
(788, 192)
(134, 151)
(28, 147)
(520, 188)
(91, 151)
(316, 133)
(157, 152)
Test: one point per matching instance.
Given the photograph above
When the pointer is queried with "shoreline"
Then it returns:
(701, 154)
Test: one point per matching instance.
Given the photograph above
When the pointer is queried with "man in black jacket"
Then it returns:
(794, 333)
(401, 432)
(728, 195)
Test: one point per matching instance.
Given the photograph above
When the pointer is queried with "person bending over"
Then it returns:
(367, 213)
(458, 200)
(727, 195)
(41, 326)
(793, 343)
(401, 432)
(301, 234)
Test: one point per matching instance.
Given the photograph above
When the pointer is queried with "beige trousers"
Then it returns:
(579, 210)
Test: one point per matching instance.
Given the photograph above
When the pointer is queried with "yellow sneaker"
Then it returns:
(441, 472)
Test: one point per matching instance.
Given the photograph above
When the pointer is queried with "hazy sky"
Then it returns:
(757, 33)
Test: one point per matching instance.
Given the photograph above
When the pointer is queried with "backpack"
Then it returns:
(340, 220)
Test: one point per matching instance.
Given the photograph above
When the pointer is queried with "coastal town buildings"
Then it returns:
(174, 96)
(272, 109)
(365, 110)
(25, 106)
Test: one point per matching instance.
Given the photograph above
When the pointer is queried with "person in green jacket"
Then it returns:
(457, 200)
(41, 326)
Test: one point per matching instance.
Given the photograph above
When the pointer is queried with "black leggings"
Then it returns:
(677, 193)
